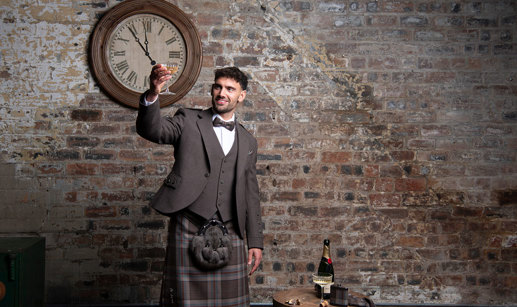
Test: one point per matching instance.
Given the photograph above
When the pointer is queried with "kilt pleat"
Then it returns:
(185, 285)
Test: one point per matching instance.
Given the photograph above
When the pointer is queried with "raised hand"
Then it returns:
(159, 76)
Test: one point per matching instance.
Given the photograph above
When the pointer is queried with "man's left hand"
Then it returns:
(254, 253)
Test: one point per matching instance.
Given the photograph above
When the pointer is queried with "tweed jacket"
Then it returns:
(191, 133)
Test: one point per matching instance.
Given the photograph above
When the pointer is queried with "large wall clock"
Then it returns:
(134, 36)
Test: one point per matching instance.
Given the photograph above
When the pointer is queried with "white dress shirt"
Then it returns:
(225, 136)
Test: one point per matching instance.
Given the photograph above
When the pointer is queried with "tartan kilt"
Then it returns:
(185, 285)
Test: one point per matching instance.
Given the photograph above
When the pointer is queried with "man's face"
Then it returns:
(226, 94)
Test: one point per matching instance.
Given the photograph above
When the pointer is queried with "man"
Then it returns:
(213, 178)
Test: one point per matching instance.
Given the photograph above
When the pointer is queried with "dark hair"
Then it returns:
(232, 73)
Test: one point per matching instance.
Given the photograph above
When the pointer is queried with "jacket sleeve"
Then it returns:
(153, 127)
(254, 226)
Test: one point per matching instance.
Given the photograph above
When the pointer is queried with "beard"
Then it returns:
(229, 106)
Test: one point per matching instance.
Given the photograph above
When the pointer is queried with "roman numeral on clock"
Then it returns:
(147, 25)
(122, 67)
(131, 78)
(171, 40)
(132, 28)
(174, 54)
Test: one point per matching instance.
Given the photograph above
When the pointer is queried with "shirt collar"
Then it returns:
(217, 115)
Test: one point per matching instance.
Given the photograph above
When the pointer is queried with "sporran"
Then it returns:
(211, 247)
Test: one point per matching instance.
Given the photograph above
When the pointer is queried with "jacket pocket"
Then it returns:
(172, 181)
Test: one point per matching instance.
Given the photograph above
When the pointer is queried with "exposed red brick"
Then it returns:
(116, 253)
(411, 241)
(105, 211)
(86, 115)
(117, 196)
(371, 170)
(385, 200)
(298, 183)
(83, 169)
(410, 184)
(133, 155)
(336, 157)
(402, 155)
(286, 196)
(385, 185)
(467, 212)
(395, 213)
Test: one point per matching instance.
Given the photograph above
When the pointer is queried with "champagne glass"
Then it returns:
(172, 68)
(322, 279)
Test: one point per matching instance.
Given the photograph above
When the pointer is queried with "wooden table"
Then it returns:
(307, 297)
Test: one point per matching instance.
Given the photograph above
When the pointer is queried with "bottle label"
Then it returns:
(326, 288)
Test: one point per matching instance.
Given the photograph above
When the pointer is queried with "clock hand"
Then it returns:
(147, 48)
(146, 42)
(153, 62)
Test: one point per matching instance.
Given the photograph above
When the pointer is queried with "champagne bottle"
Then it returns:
(325, 267)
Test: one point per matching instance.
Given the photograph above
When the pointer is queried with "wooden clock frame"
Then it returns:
(98, 54)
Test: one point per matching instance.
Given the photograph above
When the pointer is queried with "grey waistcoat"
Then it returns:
(219, 193)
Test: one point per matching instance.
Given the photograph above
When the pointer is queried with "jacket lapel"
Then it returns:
(206, 129)
(243, 153)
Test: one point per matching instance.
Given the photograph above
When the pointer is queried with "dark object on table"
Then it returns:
(339, 295)
(360, 301)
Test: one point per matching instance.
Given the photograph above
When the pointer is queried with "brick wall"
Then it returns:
(387, 126)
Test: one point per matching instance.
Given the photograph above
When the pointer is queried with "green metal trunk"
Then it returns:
(22, 272)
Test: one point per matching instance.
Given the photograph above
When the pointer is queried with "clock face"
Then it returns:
(135, 35)
(138, 43)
